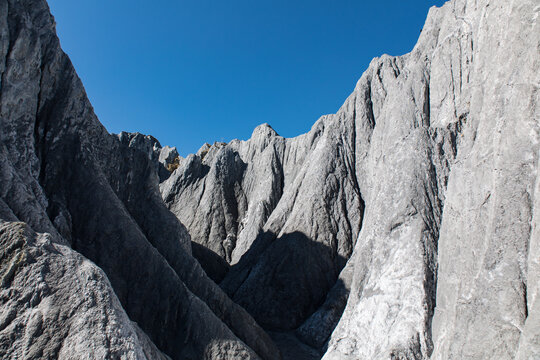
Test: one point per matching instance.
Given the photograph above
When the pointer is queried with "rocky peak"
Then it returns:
(404, 226)
(263, 131)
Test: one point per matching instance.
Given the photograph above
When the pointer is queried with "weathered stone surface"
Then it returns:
(63, 174)
(441, 146)
(57, 304)
(448, 187)
(405, 226)
(274, 196)
(488, 280)
(166, 159)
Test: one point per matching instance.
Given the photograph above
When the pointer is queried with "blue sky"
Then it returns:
(195, 71)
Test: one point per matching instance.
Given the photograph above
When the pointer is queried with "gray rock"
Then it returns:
(488, 280)
(57, 304)
(166, 159)
(441, 267)
(405, 226)
(276, 196)
(63, 174)
(441, 147)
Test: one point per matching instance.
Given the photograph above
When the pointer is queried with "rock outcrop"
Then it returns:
(97, 195)
(57, 304)
(428, 171)
(445, 260)
(166, 159)
(293, 207)
(405, 226)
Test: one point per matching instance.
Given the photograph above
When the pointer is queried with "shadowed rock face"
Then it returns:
(405, 226)
(37, 277)
(96, 195)
(278, 294)
(422, 184)
(293, 206)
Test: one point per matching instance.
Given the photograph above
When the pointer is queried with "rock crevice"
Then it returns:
(404, 226)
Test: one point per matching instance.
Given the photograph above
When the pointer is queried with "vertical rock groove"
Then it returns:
(404, 226)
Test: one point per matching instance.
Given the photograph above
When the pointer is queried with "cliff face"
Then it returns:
(428, 172)
(96, 195)
(445, 261)
(404, 226)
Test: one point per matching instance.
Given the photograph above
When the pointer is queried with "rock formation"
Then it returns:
(405, 226)
(96, 195)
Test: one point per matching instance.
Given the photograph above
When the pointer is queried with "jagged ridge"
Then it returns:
(402, 227)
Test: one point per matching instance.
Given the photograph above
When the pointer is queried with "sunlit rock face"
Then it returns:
(93, 264)
(428, 172)
(446, 264)
(405, 226)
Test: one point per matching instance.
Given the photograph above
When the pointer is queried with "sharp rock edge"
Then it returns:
(404, 226)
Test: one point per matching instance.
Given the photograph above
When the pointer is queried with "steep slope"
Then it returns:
(405, 226)
(60, 305)
(478, 63)
(291, 207)
(63, 174)
(428, 171)
(488, 249)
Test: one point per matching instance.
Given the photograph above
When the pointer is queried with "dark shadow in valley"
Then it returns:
(214, 265)
(292, 348)
(283, 281)
(316, 330)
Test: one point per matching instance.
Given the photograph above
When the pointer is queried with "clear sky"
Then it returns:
(195, 71)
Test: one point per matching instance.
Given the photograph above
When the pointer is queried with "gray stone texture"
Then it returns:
(428, 171)
(405, 226)
(62, 174)
(446, 259)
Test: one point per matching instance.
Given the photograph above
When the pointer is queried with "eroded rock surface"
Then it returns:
(63, 174)
(57, 304)
(428, 171)
(405, 226)
(445, 260)
(292, 205)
